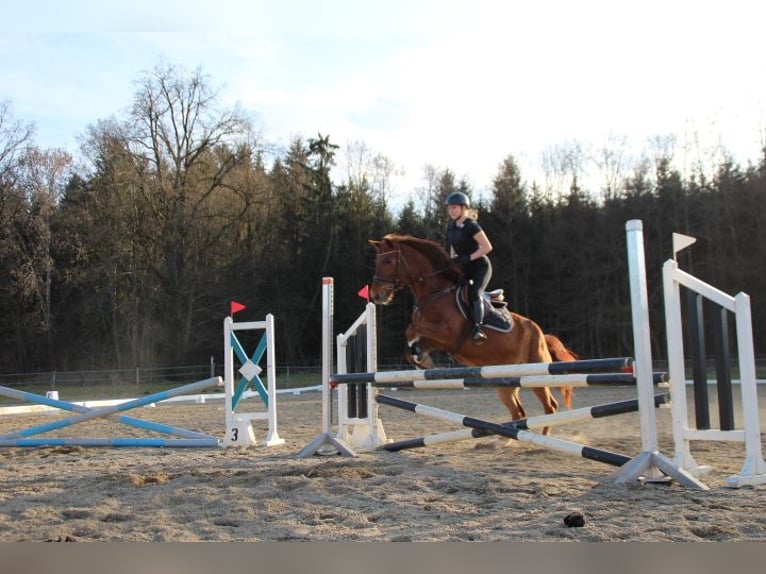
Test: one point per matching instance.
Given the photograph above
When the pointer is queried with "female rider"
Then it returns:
(468, 246)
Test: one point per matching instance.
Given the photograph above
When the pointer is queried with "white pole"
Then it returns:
(271, 374)
(649, 465)
(228, 374)
(641, 335)
(328, 284)
(372, 366)
(341, 366)
(754, 469)
(677, 368)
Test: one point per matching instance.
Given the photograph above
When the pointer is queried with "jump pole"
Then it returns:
(125, 419)
(531, 381)
(112, 442)
(21, 437)
(624, 364)
(559, 418)
(239, 428)
(515, 433)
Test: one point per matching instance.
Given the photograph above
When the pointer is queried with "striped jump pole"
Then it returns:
(125, 419)
(595, 454)
(560, 418)
(531, 381)
(113, 409)
(624, 364)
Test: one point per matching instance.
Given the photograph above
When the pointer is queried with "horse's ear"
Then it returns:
(373, 242)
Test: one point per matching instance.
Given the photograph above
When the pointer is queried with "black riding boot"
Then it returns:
(477, 311)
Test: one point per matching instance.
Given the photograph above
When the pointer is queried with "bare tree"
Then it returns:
(14, 137)
(612, 161)
(703, 150)
(42, 178)
(425, 193)
(174, 177)
(563, 166)
(366, 169)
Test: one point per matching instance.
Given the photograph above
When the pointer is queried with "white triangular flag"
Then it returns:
(681, 241)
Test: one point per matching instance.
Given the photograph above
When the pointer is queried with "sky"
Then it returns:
(454, 85)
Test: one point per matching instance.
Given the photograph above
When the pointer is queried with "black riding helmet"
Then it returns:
(457, 198)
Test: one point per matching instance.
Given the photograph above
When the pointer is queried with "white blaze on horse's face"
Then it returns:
(381, 294)
(383, 286)
(384, 281)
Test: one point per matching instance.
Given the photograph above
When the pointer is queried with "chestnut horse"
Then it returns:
(438, 324)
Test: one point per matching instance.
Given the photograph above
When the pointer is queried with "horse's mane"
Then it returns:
(432, 251)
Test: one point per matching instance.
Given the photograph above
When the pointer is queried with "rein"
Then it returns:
(399, 284)
(403, 277)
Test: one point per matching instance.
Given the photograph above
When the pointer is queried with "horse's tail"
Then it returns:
(560, 352)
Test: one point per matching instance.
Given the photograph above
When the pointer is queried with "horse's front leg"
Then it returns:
(510, 398)
(417, 349)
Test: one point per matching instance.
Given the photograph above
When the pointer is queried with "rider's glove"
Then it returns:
(462, 259)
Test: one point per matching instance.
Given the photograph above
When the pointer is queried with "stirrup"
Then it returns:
(478, 336)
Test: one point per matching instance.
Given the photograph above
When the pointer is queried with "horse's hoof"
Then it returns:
(421, 362)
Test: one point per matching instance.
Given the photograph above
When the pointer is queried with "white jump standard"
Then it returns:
(239, 428)
(239, 431)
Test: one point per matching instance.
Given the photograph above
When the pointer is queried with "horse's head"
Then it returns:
(401, 260)
(387, 279)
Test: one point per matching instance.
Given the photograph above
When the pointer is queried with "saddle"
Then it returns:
(496, 314)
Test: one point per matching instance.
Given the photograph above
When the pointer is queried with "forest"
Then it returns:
(131, 254)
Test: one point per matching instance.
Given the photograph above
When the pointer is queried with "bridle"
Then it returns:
(402, 270)
(397, 284)
(424, 300)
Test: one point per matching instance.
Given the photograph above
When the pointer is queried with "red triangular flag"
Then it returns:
(236, 307)
(364, 293)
